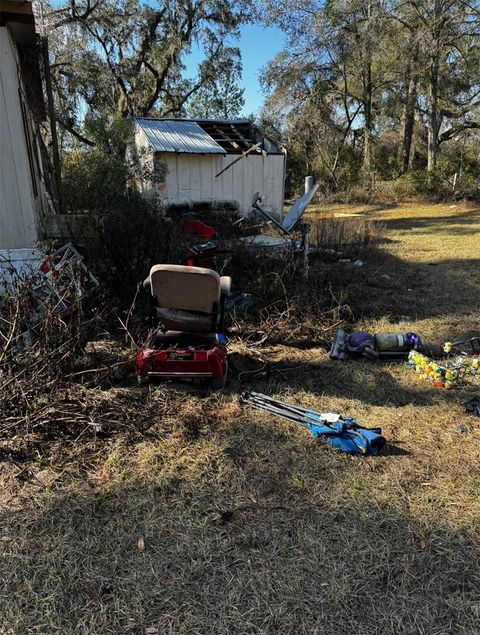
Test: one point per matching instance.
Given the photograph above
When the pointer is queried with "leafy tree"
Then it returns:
(220, 98)
(443, 68)
(128, 56)
(373, 76)
(337, 57)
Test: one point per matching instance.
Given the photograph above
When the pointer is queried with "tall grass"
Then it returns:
(356, 234)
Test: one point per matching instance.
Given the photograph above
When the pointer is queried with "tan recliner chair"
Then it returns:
(188, 299)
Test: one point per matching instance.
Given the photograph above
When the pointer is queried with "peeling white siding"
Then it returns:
(18, 227)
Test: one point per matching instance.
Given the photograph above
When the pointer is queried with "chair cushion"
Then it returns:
(192, 289)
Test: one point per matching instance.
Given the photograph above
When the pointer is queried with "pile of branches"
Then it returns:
(289, 308)
(36, 354)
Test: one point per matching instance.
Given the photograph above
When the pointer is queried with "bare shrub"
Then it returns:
(129, 242)
(289, 308)
(38, 346)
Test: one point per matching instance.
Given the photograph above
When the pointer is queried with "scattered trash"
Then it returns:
(61, 276)
(332, 252)
(238, 302)
(461, 429)
(17, 265)
(67, 279)
(473, 407)
(465, 347)
(380, 345)
(285, 246)
(54, 283)
(199, 228)
(203, 255)
(271, 246)
(334, 256)
(348, 261)
(342, 433)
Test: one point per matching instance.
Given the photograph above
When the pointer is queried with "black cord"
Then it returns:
(263, 371)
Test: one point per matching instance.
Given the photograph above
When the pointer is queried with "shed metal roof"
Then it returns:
(167, 135)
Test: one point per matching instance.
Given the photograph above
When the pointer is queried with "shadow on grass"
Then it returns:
(388, 286)
(257, 541)
(371, 383)
(445, 223)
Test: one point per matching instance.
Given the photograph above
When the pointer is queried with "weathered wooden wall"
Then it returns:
(191, 178)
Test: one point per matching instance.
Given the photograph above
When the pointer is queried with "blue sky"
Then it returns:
(257, 45)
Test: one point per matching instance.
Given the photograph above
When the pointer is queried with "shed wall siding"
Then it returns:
(192, 178)
(17, 207)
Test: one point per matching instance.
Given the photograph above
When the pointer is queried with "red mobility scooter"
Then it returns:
(187, 303)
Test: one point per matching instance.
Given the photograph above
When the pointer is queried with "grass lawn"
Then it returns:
(200, 516)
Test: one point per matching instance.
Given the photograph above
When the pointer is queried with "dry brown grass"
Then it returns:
(188, 513)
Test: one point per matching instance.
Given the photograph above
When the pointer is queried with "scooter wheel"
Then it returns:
(219, 382)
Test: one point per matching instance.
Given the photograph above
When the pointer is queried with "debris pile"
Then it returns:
(34, 286)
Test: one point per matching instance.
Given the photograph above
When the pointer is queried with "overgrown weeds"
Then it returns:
(36, 353)
(359, 235)
(289, 308)
(128, 243)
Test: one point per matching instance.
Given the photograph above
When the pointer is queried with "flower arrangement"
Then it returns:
(445, 373)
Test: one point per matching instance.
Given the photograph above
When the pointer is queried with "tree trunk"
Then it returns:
(367, 107)
(432, 125)
(433, 119)
(409, 125)
(367, 96)
(409, 112)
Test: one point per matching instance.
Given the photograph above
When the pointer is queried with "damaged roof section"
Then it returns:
(207, 136)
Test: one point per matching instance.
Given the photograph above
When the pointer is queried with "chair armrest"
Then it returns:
(225, 284)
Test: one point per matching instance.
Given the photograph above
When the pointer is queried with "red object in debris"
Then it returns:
(202, 255)
(197, 227)
(48, 268)
(183, 356)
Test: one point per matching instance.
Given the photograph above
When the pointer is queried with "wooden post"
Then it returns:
(305, 232)
(308, 183)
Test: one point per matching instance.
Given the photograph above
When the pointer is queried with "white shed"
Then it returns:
(22, 166)
(216, 162)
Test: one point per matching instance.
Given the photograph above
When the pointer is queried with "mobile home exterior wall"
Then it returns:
(20, 187)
